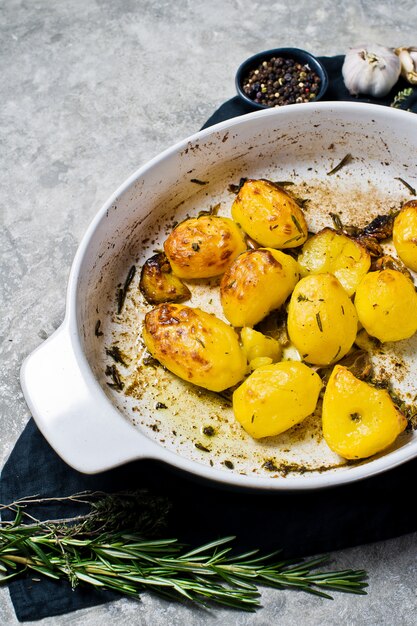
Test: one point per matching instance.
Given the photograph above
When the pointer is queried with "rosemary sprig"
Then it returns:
(93, 550)
(400, 97)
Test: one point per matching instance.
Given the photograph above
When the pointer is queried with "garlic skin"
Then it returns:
(408, 60)
(371, 70)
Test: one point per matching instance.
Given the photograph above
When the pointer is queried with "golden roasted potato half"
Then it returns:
(269, 215)
(202, 247)
(255, 284)
(259, 349)
(195, 345)
(322, 321)
(158, 283)
(276, 397)
(404, 234)
(358, 419)
(386, 303)
(335, 253)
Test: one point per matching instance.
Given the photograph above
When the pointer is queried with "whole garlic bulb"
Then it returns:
(371, 70)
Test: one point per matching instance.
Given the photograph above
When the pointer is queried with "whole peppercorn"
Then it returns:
(280, 81)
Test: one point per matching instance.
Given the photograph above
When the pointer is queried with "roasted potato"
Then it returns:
(322, 321)
(195, 345)
(158, 283)
(276, 397)
(331, 252)
(386, 303)
(256, 283)
(358, 419)
(259, 349)
(202, 247)
(269, 215)
(405, 234)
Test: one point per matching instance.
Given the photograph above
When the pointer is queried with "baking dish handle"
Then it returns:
(73, 412)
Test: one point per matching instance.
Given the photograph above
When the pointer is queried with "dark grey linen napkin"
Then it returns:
(301, 523)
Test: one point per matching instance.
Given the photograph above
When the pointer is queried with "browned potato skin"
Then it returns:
(195, 345)
(256, 283)
(202, 247)
(269, 215)
(158, 283)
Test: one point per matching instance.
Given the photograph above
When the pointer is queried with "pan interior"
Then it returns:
(192, 422)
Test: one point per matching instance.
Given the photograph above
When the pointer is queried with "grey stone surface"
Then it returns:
(90, 90)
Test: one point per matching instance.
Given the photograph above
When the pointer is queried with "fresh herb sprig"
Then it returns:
(400, 97)
(94, 549)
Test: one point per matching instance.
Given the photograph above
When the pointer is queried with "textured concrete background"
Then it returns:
(90, 90)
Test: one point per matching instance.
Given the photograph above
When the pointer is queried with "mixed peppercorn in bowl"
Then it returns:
(281, 76)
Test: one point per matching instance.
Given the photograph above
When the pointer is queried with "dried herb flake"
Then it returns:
(337, 222)
(292, 239)
(117, 383)
(200, 446)
(407, 185)
(116, 355)
(270, 466)
(346, 159)
(297, 223)
(122, 292)
(236, 188)
(337, 353)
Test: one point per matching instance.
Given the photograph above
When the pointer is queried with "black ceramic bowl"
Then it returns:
(301, 56)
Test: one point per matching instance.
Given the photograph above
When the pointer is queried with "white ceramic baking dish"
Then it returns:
(94, 427)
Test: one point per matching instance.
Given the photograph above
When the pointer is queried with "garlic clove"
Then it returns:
(408, 61)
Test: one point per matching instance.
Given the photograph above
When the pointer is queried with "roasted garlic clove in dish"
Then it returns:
(158, 283)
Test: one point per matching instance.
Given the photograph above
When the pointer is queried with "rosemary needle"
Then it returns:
(346, 159)
(90, 551)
